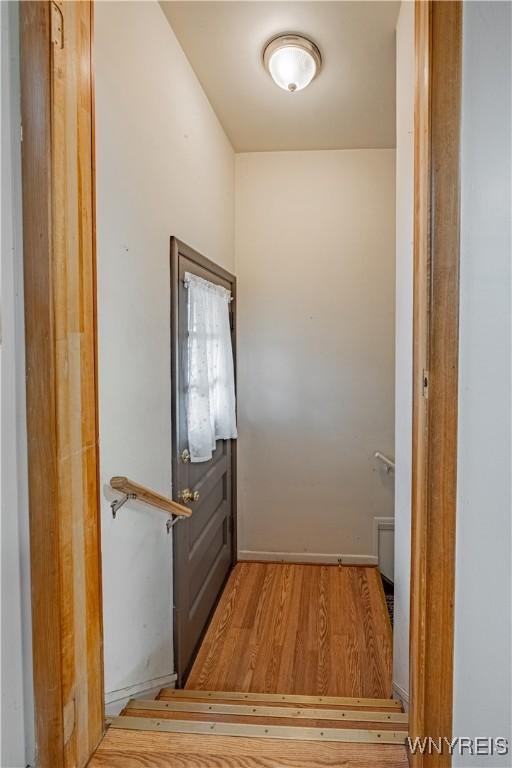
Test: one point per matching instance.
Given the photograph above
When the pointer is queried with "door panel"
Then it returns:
(204, 545)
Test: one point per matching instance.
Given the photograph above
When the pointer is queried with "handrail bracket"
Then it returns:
(171, 522)
(116, 505)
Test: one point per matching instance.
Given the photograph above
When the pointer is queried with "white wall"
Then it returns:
(482, 705)
(17, 721)
(403, 341)
(164, 167)
(316, 271)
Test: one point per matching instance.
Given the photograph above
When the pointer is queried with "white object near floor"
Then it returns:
(384, 545)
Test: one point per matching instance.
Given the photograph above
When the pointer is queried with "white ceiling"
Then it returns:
(351, 104)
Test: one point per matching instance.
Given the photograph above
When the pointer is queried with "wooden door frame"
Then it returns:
(436, 286)
(41, 443)
(59, 263)
(438, 54)
(178, 247)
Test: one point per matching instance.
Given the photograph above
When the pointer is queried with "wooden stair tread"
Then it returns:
(275, 699)
(284, 721)
(133, 749)
(284, 715)
(261, 731)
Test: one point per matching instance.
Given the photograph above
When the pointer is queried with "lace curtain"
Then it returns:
(211, 404)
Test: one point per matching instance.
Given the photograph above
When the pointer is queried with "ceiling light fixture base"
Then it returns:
(292, 61)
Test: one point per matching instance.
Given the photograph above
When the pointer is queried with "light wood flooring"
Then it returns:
(298, 629)
(283, 640)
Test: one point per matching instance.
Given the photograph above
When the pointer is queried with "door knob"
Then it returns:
(188, 495)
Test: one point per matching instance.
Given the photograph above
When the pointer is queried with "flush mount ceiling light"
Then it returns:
(292, 61)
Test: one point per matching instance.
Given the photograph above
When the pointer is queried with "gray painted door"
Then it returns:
(204, 545)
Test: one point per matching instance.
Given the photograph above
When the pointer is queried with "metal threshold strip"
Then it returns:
(336, 701)
(293, 733)
(248, 710)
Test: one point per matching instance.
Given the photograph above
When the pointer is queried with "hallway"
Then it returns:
(298, 629)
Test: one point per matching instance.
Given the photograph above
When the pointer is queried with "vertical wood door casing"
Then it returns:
(60, 310)
(420, 355)
(435, 365)
(40, 374)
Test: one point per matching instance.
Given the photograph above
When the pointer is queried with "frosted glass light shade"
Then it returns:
(292, 61)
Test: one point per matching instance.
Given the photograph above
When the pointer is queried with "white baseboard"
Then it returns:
(401, 694)
(307, 557)
(115, 701)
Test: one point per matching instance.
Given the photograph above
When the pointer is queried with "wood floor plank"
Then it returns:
(269, 651)
(324, 629)
(254, 581)
(369, 622)
(289, 638)
(298, 629)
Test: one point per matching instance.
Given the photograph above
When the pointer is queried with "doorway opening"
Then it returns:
(314, 258)
(314, 355)
(203, 337)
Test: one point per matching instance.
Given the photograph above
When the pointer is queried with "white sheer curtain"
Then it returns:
(211, 381)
